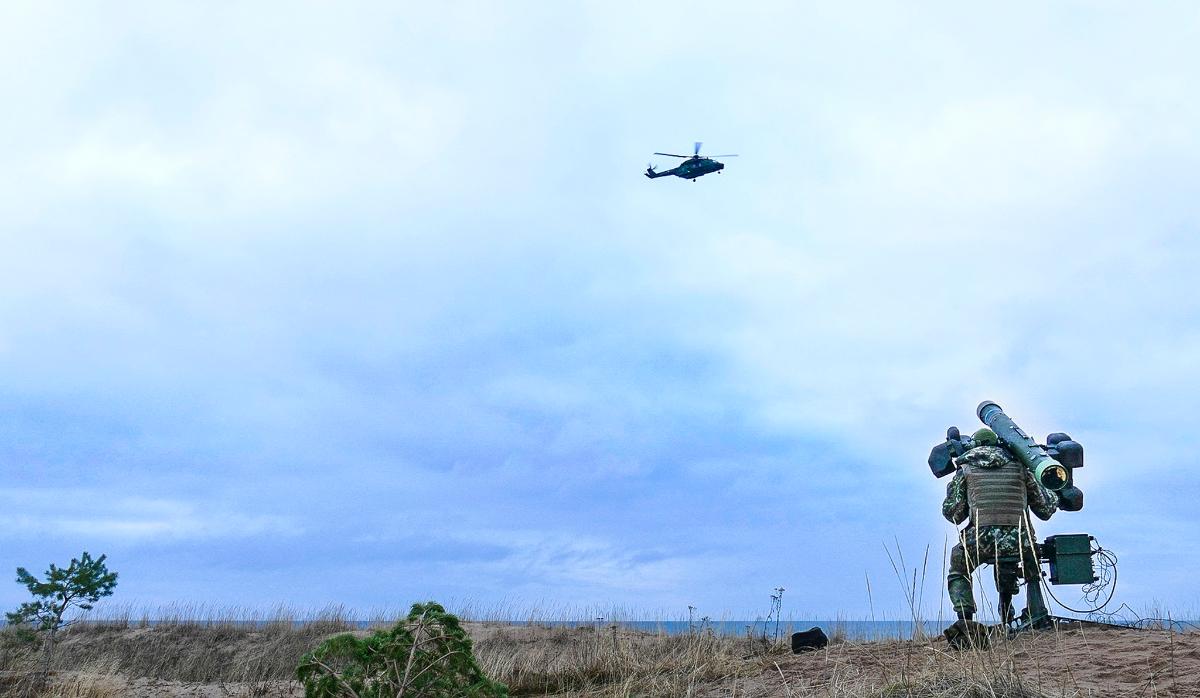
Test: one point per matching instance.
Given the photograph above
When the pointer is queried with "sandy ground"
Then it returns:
(1088, 661)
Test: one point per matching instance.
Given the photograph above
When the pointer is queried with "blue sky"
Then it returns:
(370, 303)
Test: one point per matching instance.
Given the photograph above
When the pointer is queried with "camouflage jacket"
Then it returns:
(956, 508)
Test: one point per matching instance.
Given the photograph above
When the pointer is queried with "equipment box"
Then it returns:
(1070, 558)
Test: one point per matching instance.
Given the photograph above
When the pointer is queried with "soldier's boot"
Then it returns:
(966, 634)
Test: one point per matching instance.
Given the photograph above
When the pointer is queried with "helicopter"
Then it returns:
(693, 166)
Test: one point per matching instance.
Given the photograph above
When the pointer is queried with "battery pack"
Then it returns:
(1070, 558)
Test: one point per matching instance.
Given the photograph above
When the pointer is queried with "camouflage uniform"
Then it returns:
(989, 536)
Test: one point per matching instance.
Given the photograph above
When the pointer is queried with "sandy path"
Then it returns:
(1092, 661)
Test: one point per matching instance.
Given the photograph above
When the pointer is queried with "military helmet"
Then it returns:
(985, 437)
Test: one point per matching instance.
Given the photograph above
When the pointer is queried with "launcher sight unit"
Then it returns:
(1053, 464)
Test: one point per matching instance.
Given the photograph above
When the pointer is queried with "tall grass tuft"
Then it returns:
(606, 659)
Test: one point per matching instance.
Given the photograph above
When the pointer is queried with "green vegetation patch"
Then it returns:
(426, 654)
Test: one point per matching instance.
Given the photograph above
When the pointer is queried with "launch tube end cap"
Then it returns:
(983, 410)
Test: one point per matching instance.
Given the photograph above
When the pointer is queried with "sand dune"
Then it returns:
(218, 662)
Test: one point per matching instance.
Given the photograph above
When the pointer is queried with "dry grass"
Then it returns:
(1066, 663)
(89, 681)
(975, 673)
(951, 686)
(180, 652)
(219, 657)
(99, 658)
(609, 661)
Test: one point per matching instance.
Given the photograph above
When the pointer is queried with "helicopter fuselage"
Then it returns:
(691, 168)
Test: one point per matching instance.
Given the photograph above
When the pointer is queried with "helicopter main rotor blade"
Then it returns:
(727, 155)
(696, 151)
(673, 155)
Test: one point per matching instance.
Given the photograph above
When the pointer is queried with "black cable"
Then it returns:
(1108, 563)
(1092, 591)
(1145, 623)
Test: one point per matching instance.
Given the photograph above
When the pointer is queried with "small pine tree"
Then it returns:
(427, 654)
(81, 584)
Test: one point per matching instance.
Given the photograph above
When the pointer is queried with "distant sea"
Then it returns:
(850, 629)
(858, 630)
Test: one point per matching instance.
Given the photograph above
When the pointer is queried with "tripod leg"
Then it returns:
(1037, 613)
(1006, 610)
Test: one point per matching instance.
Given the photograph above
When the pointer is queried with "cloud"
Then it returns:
(383, 290)
(980, 154)
(104, 515)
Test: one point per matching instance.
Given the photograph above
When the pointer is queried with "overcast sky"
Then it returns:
(370, 303)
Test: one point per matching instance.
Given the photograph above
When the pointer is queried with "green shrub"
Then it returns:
(426, 654)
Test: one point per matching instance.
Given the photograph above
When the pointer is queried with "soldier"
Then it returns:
(994, 490)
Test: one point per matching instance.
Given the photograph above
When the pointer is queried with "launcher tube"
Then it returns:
(1049, 472)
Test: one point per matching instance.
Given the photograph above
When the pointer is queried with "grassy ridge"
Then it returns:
(131, 657)
(531, 660)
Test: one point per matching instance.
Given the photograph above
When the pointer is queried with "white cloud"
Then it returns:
(975, 155)
(581, 565)
(108, 517)
(396, 266)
